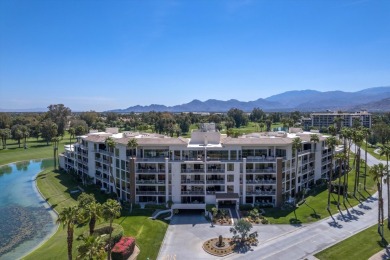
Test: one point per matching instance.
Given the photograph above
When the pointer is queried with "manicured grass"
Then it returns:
(315, 205)
(360, 246)
(251, 128)
(37, 149)
(56, 188)
(370, 150)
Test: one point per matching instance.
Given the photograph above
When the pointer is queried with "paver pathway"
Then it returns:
(184, 240)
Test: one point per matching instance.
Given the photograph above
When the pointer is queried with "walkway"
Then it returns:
(276, 241)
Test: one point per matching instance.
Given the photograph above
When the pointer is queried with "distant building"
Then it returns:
(208, 168)
(321, 120)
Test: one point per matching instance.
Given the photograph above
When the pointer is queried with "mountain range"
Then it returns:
(372, 99)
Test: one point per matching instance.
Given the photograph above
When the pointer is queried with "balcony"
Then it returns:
(268, 170)
(150, 181)
(260, 192)
(192, 192)
(150, 171)
(192, 170)
(188, 181)
(260, 159)
(150, 193)
(215, 170)
(261, 181)
(215, 181)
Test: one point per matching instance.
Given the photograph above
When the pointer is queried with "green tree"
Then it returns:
(377, 172)
(315, 140)
(48, 130)
(55, 141)
(238, 116)
(5, 134)
(89, 117)
(132, 144)
(111, 209)
(58, 114)
(91, 210)
(296, 145)
(241, 230)
(385, 150)
(71, 132)
(110, 144)
(5, 121)
(256, 115)
(68, 217)
(17, 133)
(331, 142)
(92, 248)
(25, 134)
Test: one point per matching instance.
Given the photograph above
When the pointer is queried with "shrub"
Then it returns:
(102, 229)
(246, 207)
(123, 249)
(209, 207)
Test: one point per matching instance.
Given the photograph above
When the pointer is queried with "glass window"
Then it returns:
(230, 167)
(233, 155)
(230, 178)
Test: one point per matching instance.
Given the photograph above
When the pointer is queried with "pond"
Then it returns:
(25, 220)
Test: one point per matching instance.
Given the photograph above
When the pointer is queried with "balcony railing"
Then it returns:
(151, 170)
(269, 193)
(215, 181)
(261, 181)
(192, 192)
(150, 193)
(215, 170)
(150, 182)
(192, 170)
(192, 181)
(268, 170)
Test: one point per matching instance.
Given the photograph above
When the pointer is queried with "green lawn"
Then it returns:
(360, 246)
(315, 206)
(370, 150)
(56, 188)
(37, 149)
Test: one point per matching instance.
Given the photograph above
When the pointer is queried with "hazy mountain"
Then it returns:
(381, 105)
(302, 100)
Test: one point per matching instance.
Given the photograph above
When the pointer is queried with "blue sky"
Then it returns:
(99, 55)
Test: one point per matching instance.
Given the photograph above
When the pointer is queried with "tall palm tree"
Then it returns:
(110, 143)
(111, 209)
(25, 134)
(92, 212)
(296, 145)
(358, 137)
(132, 144)
(385, 150)
(340, 158)
(55, 141)
(331, 142)
(71, 132)
(92, 248)
(68, 217)
(315, 140)
(366, 132)
(378, 171)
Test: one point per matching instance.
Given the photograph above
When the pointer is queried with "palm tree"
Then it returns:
(91, 213)
(111, 209)
(377, 171)
(385, 150)
(358, 137)
(132, 144)
(5, 134)
(315, 140)
(55, 141)
(110, 143)
(340, 158)
(296, 145)
(92, 248)
(25, 134)
(69, 217)
(331, 142)
(71, 132)
(366, 132)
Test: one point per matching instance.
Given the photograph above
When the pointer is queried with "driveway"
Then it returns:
(186, 235)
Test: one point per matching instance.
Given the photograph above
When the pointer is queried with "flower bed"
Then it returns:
(123, 249)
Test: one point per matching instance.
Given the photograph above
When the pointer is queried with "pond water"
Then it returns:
(25, 220)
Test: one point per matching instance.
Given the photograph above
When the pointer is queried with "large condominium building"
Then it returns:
(320, 120)
(208, 168)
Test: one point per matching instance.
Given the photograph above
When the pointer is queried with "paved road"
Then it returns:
(184, 240)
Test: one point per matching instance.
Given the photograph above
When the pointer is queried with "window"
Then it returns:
(230, 167)
(233, 155)
(230, 189)
(230, 178)
(116, 152)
